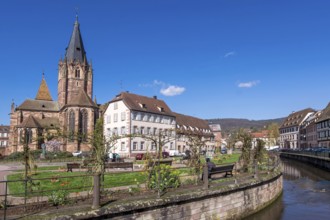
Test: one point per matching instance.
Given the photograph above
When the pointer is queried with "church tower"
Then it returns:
(74, 72)
(78, 112)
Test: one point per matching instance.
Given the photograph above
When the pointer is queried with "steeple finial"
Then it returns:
(76, 10)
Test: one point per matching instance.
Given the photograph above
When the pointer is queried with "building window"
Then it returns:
(134, 145)
(141, 145)
(115, 131)
(115, 105)
(123, 130)
(142, 130)
(123, 116)
(149, 131)
(108, 132)
(21, 136)
(71, 125)
(108, 119)
(122, 146)
(145, 117)
(115, 117)
(135, 130)
(138, 117)
(151, 118)
(153, 146)
(171, 146)
(77, 73)
(83, 124)
(29, 135)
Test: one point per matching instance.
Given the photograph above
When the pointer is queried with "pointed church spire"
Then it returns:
(76, 51)
(43, 92)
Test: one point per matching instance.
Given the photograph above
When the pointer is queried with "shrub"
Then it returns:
(163, 177)
(59, 197)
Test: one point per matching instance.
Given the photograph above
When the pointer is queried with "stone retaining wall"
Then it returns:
(321, 162)
(232, 202)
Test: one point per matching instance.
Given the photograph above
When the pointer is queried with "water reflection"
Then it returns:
(306, 194)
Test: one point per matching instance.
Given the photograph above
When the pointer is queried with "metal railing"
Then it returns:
(38, 196)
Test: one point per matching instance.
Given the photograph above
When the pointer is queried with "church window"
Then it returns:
(83, 124)
(77, 74)
(28, 134)
(21, 136)
(71, 125)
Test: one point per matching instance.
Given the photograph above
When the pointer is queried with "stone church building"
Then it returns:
(73, 114)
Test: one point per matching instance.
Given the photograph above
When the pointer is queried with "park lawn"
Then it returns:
(65, 180)
(226, 158)
(45, 168)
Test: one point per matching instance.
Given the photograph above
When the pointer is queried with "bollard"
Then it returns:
(205, 177)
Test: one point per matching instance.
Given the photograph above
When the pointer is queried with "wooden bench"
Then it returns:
(118, 165)
(228, 169)
(156, 162)
(71, 166)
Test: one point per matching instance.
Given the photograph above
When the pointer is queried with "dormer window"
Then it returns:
(161, 109)
(77, 73)
(144, 106)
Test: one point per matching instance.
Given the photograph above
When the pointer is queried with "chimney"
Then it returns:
(155, 97)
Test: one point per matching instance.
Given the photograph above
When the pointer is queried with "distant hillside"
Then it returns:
(231, 124)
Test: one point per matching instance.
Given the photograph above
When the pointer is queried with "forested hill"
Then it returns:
(231, 124)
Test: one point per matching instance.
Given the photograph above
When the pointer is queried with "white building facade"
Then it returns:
(290, 129)
(138, 121)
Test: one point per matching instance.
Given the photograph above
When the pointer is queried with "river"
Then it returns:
(306, 194)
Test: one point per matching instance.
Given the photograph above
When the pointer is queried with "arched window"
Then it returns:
(21, 136)
(77, 73)
(71, 125)
(29, 135)
(83, 124)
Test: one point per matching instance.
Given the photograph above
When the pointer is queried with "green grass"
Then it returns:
(226, 158)
(65, 180)
(46, 168)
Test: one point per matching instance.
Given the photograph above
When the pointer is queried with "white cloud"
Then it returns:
(172, 90)
(153, 84)
(248, 84)
(231, 53)
(166, 89)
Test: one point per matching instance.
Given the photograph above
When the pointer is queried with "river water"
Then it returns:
(306, 194)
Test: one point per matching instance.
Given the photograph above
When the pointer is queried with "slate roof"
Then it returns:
(30, 122)
(43, 92)
(325, 115)
(39, 105)
(198, 125)
(33, 122)
(296, 118)
(82, 99)
(76, 51)
(144, 103)
(4, 129)
(261, 134)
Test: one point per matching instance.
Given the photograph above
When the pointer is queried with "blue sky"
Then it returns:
(252, 59)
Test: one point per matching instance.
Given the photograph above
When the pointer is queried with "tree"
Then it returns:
(157, 175)
(245, 158)
(274, 133)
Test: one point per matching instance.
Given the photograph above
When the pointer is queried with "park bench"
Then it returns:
(156, 162)
(118, 165)
(228, 169)
(71, 166)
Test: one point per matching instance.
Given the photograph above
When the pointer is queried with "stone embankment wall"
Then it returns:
(320, 162)
(232, 202)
